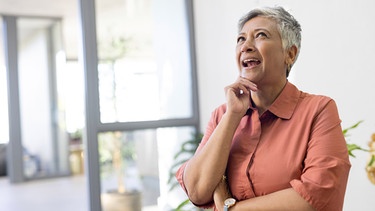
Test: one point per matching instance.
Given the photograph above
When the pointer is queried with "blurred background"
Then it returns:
(97, 97)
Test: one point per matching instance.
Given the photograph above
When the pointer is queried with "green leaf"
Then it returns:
(352, 147)
(371, 161)
(182, 205)
(345, 131)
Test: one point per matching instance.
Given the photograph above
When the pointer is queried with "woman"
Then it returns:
(271, 146)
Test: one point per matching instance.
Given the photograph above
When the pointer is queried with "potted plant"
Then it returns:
(351, 147)
(370, 167)
(117, 159)
(116, 151)
(76, 152)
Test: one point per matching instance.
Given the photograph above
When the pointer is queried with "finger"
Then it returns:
(242, 89)
(248, 84)
(237, 88)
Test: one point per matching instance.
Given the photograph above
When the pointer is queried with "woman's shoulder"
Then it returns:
(316, 100)
(315, 97)
(308, 96)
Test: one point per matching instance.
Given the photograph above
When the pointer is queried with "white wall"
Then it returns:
(34, 99)
(338, 50)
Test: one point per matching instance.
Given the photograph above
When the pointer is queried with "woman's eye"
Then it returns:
(261, 34)
(240, 39)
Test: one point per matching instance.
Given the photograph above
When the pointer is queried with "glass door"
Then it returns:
(40, 56)
(141, 99)
(36, 97)
(145, 76)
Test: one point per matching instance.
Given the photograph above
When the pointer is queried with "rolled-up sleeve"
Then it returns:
(180, 179)
(180, 175)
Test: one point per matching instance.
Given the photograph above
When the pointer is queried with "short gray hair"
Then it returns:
(288, 26)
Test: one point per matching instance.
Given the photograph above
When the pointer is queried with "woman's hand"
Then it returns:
(238, 95)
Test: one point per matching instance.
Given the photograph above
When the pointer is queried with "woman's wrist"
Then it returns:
(228, 203)
(221, 193)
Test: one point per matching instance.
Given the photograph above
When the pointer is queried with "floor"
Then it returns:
(61, 194)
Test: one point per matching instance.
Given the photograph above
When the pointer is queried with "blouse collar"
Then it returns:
(285, 104)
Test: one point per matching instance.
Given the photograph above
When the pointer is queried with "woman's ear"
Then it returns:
(291, 55)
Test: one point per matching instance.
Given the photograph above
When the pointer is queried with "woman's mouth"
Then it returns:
(250, 63)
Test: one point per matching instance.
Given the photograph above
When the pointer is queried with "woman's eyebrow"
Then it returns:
(262, 29)
(256, 30)
(241, 33)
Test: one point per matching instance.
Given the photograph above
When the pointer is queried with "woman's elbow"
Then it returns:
(200, 199)
(199, 196)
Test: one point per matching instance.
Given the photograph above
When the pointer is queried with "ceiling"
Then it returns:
(67, 10)
(55, 8)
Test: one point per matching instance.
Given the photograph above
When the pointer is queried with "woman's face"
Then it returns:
(259, 52)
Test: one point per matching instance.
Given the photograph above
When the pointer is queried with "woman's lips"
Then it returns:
(250, 63)
(247, 67)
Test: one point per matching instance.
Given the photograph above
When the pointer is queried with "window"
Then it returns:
(144, 99)
(139, 162)
(144, 62)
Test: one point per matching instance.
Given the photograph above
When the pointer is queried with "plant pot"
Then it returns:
(114, 201)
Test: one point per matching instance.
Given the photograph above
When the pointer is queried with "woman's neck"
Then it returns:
(265, 96)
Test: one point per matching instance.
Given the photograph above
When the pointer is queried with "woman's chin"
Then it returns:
(246, 75)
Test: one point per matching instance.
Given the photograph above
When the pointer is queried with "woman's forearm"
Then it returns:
(205, 170)
(287, 199)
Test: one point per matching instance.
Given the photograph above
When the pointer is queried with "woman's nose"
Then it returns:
(247, 46)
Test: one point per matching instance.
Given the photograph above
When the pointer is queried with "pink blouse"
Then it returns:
(297, 142)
